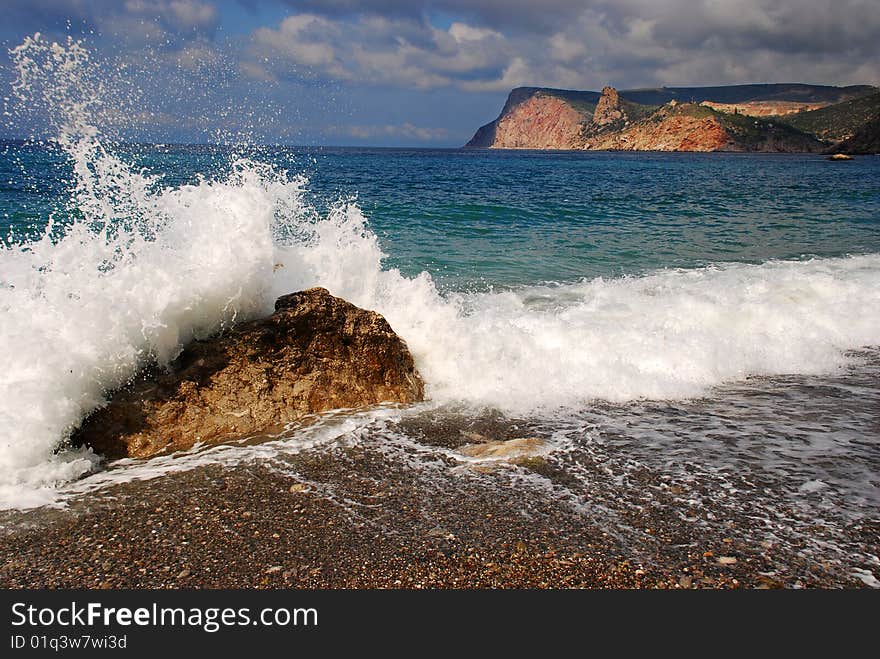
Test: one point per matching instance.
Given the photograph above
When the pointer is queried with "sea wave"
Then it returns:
(147, 267)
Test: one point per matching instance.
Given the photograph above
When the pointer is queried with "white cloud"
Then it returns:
(405, 130)
(191, 13)
(587, 44)
(462, 32)
(517, 74)
(175, 15)
(196, 57)
(304, 39)
(376, 50)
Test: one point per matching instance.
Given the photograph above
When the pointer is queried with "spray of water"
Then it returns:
(140, 268)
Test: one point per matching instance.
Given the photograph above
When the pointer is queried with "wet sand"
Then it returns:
(352, 517)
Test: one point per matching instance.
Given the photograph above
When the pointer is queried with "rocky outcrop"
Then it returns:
(541, 122)
(692, 127)
(583, 103)
(670, 129)
(317, 352)
(608, 110)
(732, 118)
(764, 108)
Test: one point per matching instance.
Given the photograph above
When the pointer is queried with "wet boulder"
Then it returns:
(315, 353)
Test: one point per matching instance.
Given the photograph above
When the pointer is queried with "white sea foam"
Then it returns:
(150, 267)
(670, 334)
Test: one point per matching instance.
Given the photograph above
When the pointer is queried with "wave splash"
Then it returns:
(140, 268)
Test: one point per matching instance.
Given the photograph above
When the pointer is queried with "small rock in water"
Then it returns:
(183, 574)
(274, 569)
(812, 486)
(840, 156)
(866, 577)
(505, 450)
(299, 487)
(726, 560)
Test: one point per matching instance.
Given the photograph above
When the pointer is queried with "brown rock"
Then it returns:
(317, 352)
(608, 110)
(511, 450)
(672, 128)
(541, 122)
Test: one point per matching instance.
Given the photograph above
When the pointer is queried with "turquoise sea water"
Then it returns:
(480, 218)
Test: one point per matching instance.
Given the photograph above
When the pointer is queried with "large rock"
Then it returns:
(608, 110)
(315, 353)
(540, 122)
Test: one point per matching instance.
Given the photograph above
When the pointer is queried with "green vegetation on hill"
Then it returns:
(755, 132)
(744, 93)
(581, 104)
(583, 101)
(749, 133)
(836, 122)
(637, 111)
(865, 141)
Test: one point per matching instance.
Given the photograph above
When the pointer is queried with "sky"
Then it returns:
(423, 72)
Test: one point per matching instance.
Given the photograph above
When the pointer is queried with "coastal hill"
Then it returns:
(866, 140)
(838, 122)
(771, 117)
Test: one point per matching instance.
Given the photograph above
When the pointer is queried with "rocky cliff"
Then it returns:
(608, 110)
(535, 118)
(315, 353)
(672, 128)
(691, 127)
(540, 122)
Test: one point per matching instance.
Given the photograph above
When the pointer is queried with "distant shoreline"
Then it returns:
(392, 149)
(792, 118)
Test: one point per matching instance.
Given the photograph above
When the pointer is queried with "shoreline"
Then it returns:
(243, 528)
(350, 517)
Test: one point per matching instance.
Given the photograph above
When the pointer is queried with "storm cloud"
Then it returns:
(340, 59)
(594, 42)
